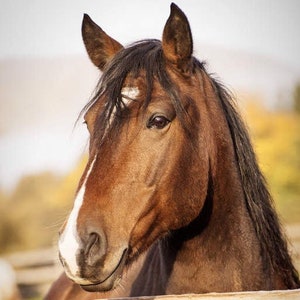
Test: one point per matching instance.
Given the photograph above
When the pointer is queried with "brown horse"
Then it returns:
(172, 200)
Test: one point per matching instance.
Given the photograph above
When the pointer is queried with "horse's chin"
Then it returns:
(105, 286)
(112, 281)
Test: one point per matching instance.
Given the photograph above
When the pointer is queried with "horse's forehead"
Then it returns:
(134, 91)
(129, 93)
(143, 84)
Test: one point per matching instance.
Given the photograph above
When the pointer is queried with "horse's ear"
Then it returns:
(177, 40)
(100, 47)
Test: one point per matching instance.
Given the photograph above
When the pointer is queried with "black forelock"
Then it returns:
(145, 57)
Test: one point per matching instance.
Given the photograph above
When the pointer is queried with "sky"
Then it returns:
(45, 29)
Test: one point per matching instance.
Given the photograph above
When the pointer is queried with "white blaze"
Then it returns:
(68, 243)
(129, 93)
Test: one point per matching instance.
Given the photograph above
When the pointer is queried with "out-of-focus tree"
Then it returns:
(297, 98)
(276, 137)
(32, 215)
(27, 215)
(65, 192)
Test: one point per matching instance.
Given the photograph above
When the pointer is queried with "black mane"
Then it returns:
(146, 56)
(258, 199)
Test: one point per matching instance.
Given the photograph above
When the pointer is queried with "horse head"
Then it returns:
(146, 173)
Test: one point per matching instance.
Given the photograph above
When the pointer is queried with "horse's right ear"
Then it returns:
(100, 47)
(177, 42)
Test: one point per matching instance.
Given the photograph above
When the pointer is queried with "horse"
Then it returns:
(172, 200)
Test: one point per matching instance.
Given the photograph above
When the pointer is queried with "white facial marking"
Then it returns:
(128, 94)
(68, 243)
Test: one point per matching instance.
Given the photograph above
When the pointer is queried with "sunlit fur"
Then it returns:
(146, 56)
(183, 208)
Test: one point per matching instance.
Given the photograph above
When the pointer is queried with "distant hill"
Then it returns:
(37, 90)
(40, 99)
(43, 90)
(245, 73)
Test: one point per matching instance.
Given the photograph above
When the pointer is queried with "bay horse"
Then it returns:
(172, 200)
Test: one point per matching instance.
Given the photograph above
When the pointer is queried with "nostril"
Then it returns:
(92, 244)
(94, 249)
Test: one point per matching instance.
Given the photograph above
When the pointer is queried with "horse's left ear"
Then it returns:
(100, 47)
(177, 42)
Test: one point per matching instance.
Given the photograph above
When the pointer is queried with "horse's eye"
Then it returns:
(158, 122)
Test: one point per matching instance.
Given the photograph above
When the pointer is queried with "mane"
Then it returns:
(259, 202)
(146, 57)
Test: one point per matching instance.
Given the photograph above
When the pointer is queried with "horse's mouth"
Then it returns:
(112, 280)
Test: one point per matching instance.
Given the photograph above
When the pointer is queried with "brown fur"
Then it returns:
(187, 200)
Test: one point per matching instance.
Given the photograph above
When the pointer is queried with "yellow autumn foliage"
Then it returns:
(276, 139)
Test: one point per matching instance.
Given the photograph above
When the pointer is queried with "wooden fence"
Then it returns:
(261, 295)
(293, 233)
(36, 270)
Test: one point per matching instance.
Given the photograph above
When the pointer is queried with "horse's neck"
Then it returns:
(220, 247)
(211, 254)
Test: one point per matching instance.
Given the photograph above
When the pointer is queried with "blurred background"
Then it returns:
(46, 78)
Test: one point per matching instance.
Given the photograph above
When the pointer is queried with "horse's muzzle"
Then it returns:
(112, 280)
(97, 267)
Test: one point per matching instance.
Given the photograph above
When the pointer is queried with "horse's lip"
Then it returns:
(110, 281)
